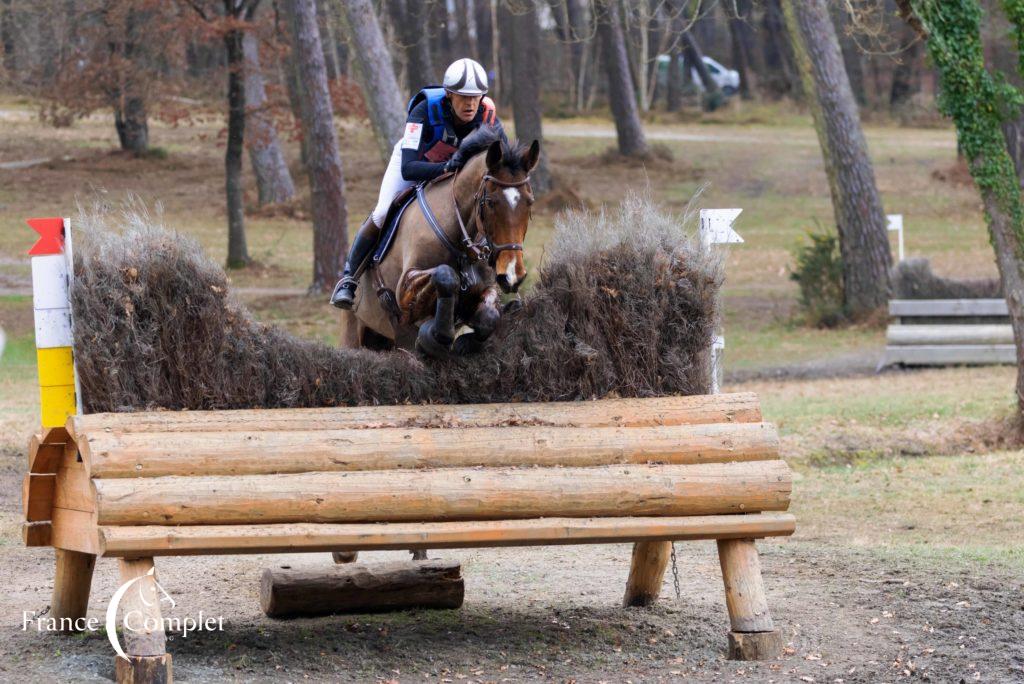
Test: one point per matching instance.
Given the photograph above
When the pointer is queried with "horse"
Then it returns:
(448, 261)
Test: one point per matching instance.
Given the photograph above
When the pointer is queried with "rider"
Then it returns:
(440, 117)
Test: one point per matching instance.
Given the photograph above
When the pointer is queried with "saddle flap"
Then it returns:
(394, 217)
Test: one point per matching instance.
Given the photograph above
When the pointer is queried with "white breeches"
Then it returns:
(392, 184)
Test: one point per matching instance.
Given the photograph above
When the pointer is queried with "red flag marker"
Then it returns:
(51, 235)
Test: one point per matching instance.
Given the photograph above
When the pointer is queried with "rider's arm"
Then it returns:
(413, 143)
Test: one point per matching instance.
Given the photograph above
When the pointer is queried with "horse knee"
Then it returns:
(446, 280)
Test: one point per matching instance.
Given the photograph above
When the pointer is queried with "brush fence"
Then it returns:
(648, 471)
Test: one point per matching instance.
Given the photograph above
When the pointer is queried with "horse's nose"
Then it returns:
(508, 284)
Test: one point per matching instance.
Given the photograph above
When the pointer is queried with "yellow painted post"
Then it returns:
(51, 303)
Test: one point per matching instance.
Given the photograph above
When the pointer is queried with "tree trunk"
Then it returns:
(326, 182)
(130, 116)
(484, 33)
(630, 133)
(853, 59)
(376, 74)
(409, 19)
(863, 240)
(780, 78)
(238, 252)
(906, 76)
(991, 144)
(712, 93)
(132, 127)
(742, 41)
(273, 181)
(438, 38)
(522, 41)
(7, 30)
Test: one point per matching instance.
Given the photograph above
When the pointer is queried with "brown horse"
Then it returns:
(439, 283)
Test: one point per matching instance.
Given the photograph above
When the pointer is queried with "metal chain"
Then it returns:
(675, 573)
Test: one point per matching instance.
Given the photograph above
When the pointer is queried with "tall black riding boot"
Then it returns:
(358, 254)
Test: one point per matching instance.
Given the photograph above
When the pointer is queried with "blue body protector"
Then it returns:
(434, 95)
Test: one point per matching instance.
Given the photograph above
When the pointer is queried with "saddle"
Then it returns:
(391, 220)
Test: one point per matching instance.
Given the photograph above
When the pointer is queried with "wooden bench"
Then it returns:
(139, 485)
(943, 332)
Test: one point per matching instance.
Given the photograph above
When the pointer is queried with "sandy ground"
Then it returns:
(551, 614)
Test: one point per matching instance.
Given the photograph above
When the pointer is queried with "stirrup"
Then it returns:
(344, 295)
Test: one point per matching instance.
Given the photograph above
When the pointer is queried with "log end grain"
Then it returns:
(144, 670)
(755, 645)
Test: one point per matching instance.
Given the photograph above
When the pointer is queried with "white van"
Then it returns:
(727, 79)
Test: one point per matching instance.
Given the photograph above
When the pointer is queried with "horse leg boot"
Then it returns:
(435, 337)
(344, 295)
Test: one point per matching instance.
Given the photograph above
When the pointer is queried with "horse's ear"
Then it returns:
(533, 156)
(494, 156)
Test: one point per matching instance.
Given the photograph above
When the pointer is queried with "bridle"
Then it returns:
(483, 247)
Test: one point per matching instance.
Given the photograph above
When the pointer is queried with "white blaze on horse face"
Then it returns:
(512, 195)
(510, 272)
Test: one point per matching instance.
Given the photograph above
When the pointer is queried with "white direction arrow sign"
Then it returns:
(716, 226)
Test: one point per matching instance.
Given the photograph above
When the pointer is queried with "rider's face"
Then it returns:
(465, 106)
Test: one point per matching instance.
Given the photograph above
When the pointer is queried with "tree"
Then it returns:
(273, 180)
(408, 19)
(376, 74)
(7, 38)
(326, 182)
(742, 41)
(630, 133)
(863, 240)
(692, 53)
(906, 75)
(985, 111)
(231, 24)
(780, 77)
(521, 29)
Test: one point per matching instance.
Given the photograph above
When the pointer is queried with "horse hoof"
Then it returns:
(512, 306)
(427, 342)
(466, 344)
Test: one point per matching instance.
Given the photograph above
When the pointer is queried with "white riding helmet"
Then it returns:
(465, 77)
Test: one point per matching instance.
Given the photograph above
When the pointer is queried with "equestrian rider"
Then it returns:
(439, 119)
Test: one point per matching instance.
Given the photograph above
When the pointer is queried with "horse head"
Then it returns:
(501, 201)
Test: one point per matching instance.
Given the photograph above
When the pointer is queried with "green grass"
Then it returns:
(889, 400)
(964, 509)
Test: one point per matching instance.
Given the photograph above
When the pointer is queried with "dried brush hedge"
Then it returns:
(625, 305)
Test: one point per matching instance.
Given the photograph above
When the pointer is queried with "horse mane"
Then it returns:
(513, 154)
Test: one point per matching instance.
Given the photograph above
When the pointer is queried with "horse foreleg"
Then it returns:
(349, 337)
(436, 335)
(484, 321)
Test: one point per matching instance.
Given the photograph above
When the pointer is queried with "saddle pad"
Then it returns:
(403, 200)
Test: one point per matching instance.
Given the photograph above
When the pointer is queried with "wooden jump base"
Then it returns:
(649, 471)
(941, 332)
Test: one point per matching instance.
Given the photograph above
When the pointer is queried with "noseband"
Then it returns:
(483, 248)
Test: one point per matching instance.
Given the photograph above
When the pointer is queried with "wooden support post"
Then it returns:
(344, 556)
(646, 572)
(753, 636)
(144, 639)
(71, 586)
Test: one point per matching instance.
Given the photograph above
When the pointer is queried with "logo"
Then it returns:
(146, 613)
(135, 620)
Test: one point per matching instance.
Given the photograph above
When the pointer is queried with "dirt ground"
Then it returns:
(552, 614)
